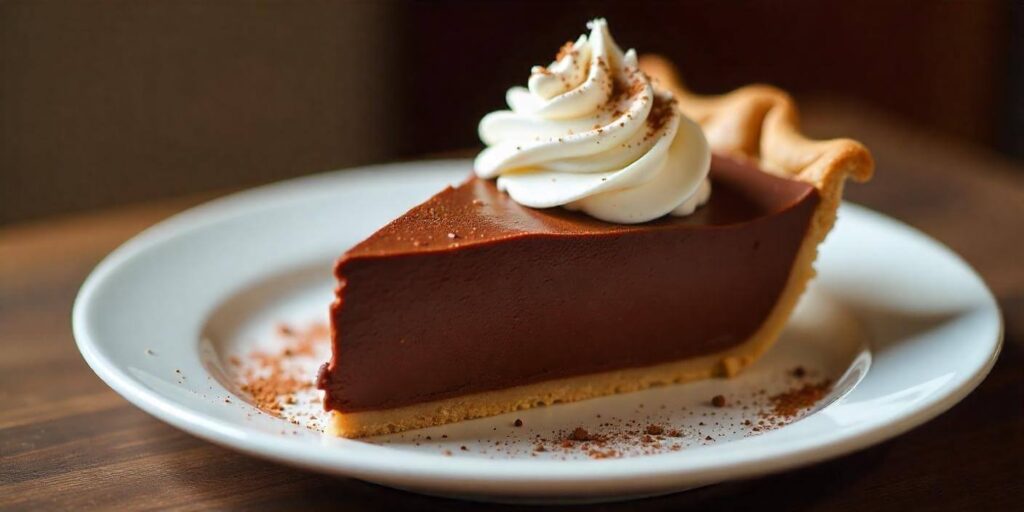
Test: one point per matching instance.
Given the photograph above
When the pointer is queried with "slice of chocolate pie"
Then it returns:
(614, 252)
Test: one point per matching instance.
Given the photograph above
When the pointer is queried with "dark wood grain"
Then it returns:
(67, 441)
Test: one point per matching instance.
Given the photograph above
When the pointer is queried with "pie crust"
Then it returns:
(756, 122)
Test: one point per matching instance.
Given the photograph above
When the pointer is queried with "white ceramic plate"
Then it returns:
(902, 325)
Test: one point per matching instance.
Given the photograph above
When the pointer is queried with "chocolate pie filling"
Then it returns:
(471, 292)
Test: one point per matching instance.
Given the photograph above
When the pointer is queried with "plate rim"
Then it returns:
(657, 471)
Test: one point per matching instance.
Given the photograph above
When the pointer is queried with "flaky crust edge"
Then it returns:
(760, 122)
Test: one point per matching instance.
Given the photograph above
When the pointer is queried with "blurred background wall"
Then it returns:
(109, 102)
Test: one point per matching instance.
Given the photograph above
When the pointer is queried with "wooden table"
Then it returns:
(66, 440)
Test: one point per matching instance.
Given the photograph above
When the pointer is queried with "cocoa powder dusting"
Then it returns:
(625, 437)
(581, 434)
(270, 378)
(789, 404)
(302, 342)
(268, 391)
(661, 112)
(566, 49)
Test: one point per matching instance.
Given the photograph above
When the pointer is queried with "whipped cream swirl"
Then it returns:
(591, 133)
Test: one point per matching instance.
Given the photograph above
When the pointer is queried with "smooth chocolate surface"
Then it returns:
(470, 292)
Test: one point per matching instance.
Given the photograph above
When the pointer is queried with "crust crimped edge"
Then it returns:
(756, 122)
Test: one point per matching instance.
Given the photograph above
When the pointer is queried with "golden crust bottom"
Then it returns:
(756, 122)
